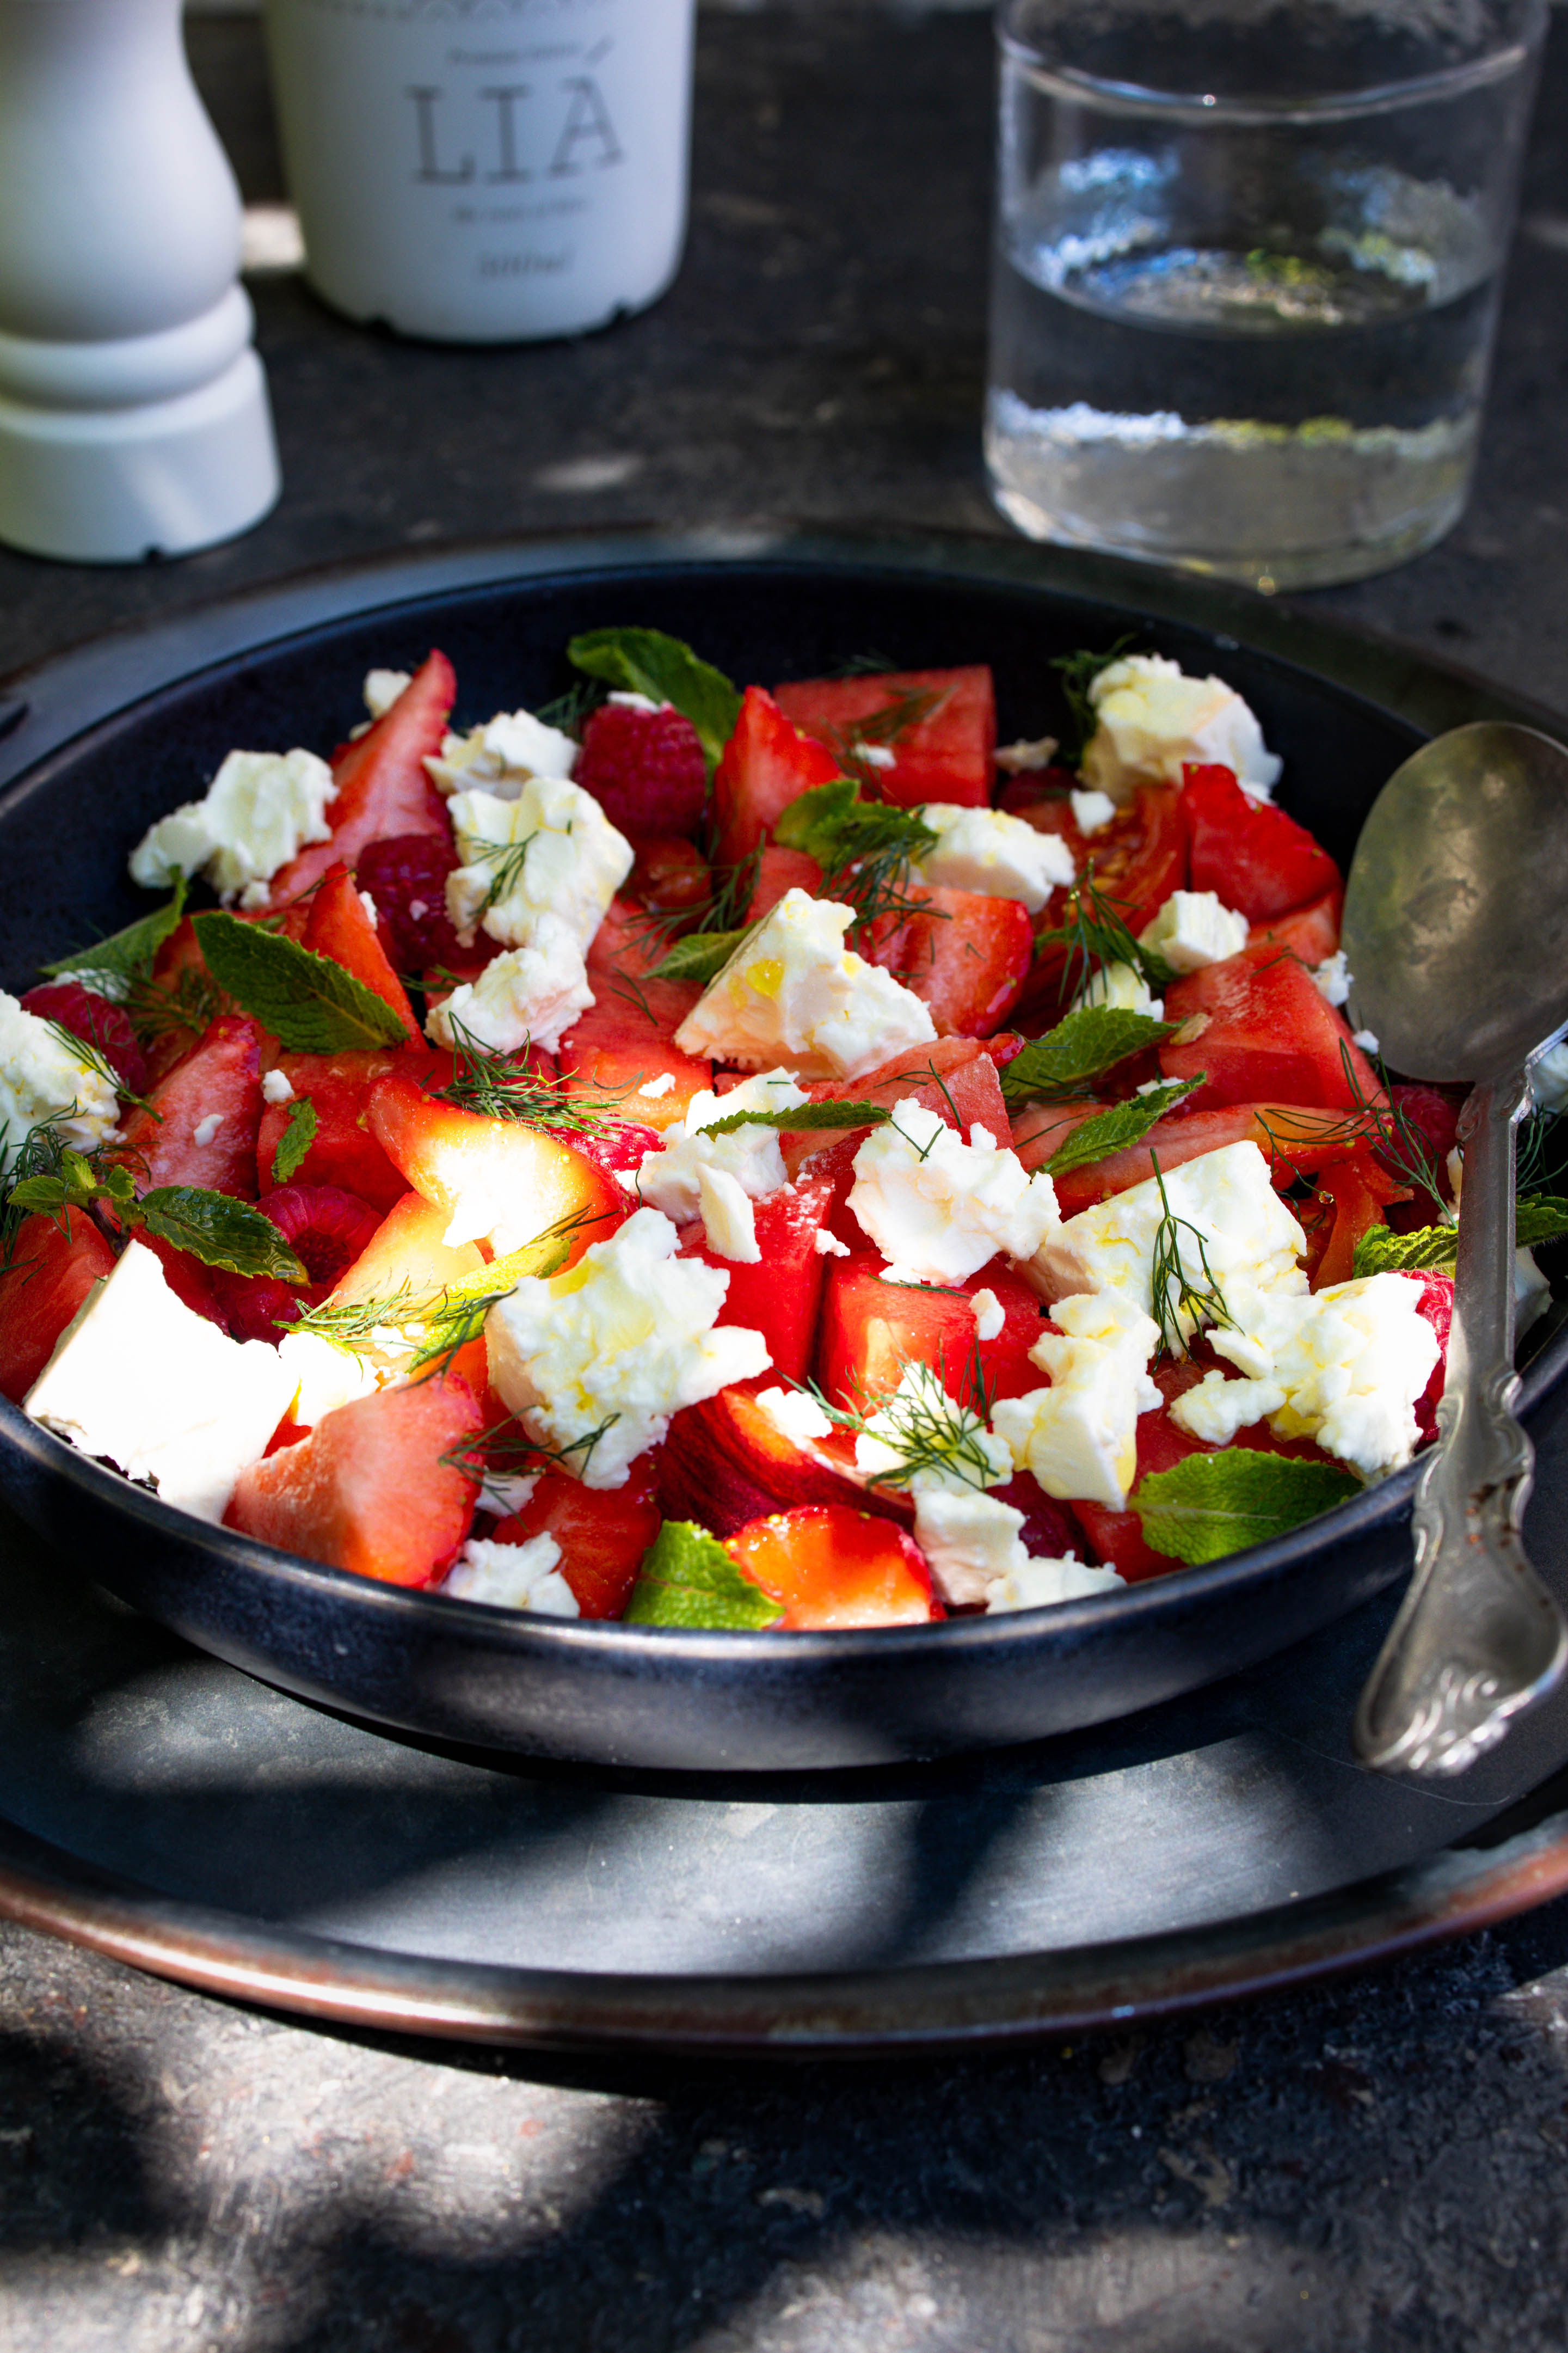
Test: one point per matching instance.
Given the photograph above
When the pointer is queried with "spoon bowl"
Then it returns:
(1455, 934)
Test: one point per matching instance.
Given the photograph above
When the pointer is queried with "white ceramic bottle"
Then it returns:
(134, 413)
(486, 171)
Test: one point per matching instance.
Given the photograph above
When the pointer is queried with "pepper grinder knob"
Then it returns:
(133, 411)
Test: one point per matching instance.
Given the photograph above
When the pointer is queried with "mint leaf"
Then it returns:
(310, 1004)
(686, 1579)
(1090, 1040)
(1123, 1123)
(815, 820)
(701, 956)
(1538, 1217)
(219, 1231)
(645, 661)
(295, 1141)
(1212, 1504)
(832, 824)
(129, 954)
(804, 1115)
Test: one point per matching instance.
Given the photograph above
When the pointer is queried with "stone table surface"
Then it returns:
(1379, 2164)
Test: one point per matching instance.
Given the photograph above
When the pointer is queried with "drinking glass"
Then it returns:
(1248, 258)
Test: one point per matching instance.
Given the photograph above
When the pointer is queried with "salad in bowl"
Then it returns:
(753, 1158)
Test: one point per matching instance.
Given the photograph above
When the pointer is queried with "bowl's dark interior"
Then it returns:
(67, 827)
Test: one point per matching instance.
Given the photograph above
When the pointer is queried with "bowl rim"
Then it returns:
(124, 675)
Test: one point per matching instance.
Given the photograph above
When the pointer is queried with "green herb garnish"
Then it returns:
(647, 661)
(1124, 1123)
(310, 1004)
(1212, 1505)
(212, 1227)
(296, 1140)
(686, 1579)
(1093, 1039)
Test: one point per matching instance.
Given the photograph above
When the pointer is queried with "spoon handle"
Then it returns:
(1479, 1636)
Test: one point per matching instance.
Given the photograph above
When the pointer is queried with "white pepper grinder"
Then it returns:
(133, 411)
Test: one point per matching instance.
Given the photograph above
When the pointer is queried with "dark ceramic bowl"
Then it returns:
(101, 741)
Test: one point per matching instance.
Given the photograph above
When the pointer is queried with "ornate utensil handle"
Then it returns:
(1479, 1637)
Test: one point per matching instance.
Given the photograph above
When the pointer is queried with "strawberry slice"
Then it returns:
(368, 1491)
(343, 1151)
(645, 768)
(726, 1462)
(383, 790)
(492, 1173)
(341, 927)
(767, 764)
(406, 1253)
(778, 1295)
(626, 1038)
(871, 1329)
(602, 1534)
(94, 1019)
(830, 1566)
(52, 1267)
(180, 953)
(406, 877)
(945, 750)
(967, 960)
(202, 1123)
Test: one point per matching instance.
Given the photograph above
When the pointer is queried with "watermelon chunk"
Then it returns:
(343, 1151)
(949, 754)
(967, 960)
(781, 1293)
(204, 1117)
(602, 1533)
(1255, 856)
(1269, 1037)
(766, 764)
(871, 1329)
(53, 1266)
(626, 1038)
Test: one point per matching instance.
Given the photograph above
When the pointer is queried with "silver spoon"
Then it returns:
(1455, 932)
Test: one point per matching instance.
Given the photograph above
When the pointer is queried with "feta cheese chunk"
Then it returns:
(551, 852)
(140, 1381)
(921, 1423)
(513, 1577)
(669, 1178)
(797, 1414)
(1194, 928)
(1352, 1362)
(792, 993)
(1223, 1200)
(382, 688)
(616, 1346)
(1040, 1584)
(970, 1540)
(1331, 979)
(46, 1082)
(277, 1087)
(1218, 1408)
(1091, 812)
(1122, 987)
(663, 1085)
(939, 1207)
(325, 1377)
(990, 1316)
(729, 1218)
(259, 811)
(1000, 856)
(501, 755)
(1153, 719)
(530, 993)
(1079, 1438)
(827, 1244)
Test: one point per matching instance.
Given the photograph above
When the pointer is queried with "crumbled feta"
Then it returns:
(46, 1081)
(1092, 812)
(1223, 1200)
(512, 1576)
(990, 1315)
(1029, 753)
(986, 851)
(1153, 719)
(501, 755)
(325, 1377)
(205, 1130)
(533, 993)
(630, 699)
(1218, 1408)
(971, 1541)
(663, 1085)
(958, 1455)
(277, 1087)
(382, 688)
(368, 904)
(792, 993)
(1352, 1361)
(1331, 979)
(1194, 928)
(506, 1493)
(939, 1207)
(827, 1244)
(551, 852)
(616, 1346)
(1549, 1079)
(797, 1414)
(140, 1381)
(879, 756)
(1079, 1437)
(259, 811)
(1367, 1040)
(1123, 987)
(729, 1217)
(1041, 1584)
(667, 1176)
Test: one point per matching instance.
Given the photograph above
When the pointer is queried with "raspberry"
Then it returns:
(100, 1023)
(645, 768)
(326, 1229)
(406, 877)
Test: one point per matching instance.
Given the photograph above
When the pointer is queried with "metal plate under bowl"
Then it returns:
(109, 738)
